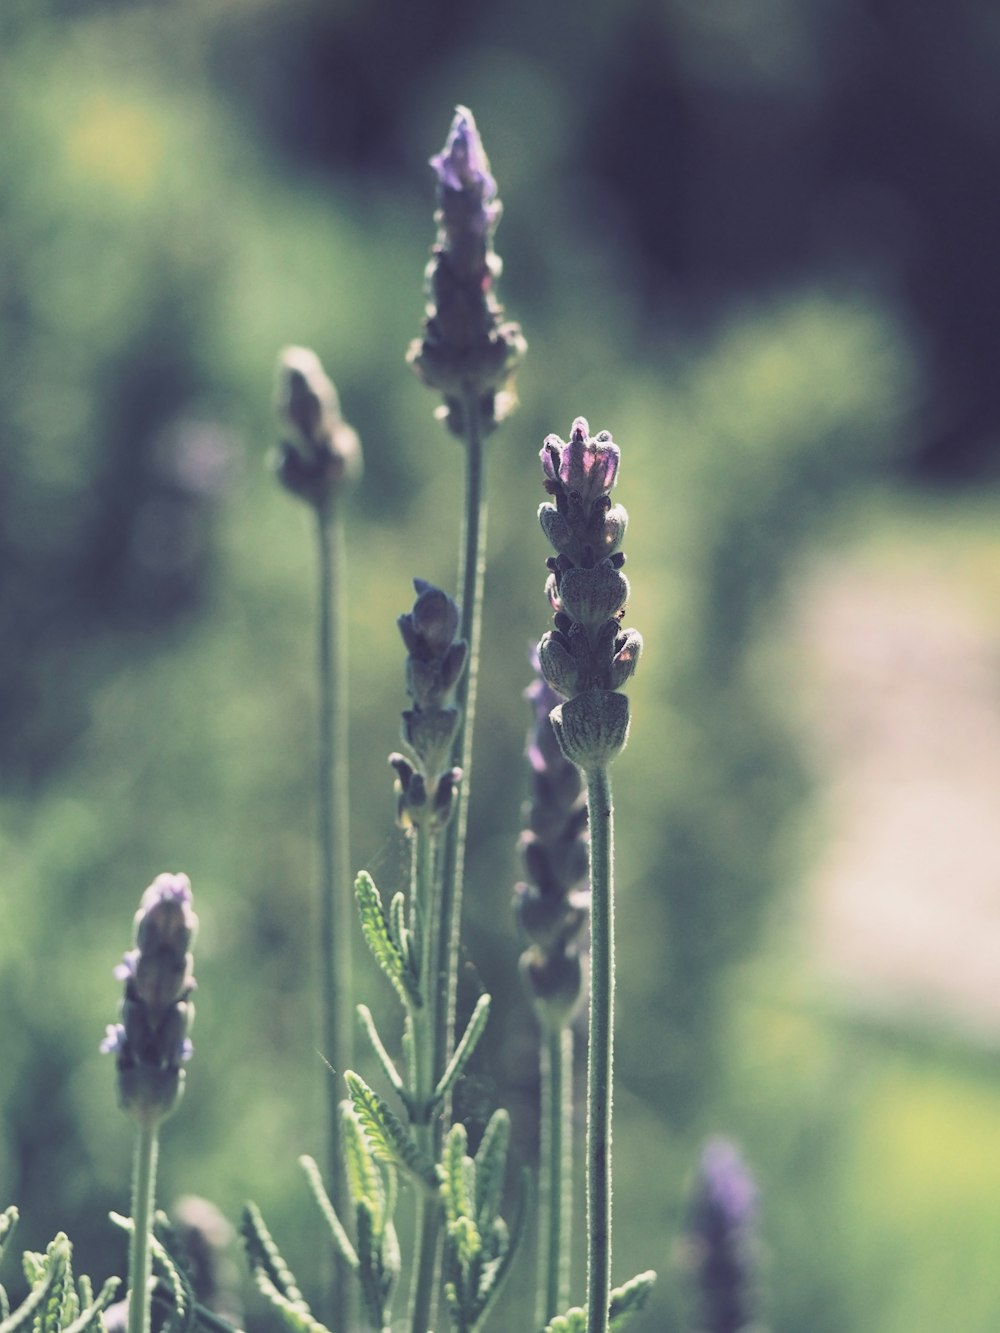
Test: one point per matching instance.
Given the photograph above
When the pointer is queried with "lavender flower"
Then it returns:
(151, 1042)
(552, 907)
(721, 1243)
(436, 660)
(466, 351)
(586, 657)
(320, 451)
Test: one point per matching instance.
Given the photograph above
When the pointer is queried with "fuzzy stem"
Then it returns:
(140, 1258)
(336, 901)
(556, 1174)
(426, 899)
(472, 576)
(601, 1050)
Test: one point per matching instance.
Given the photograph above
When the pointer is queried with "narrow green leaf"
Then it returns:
(491, 1167)
(90, 1316)
(36, 1301)
(337, 1232)
(375, 929)
(173, 1274)
(264, 1257)
(397, 926)
(453, 1176)
(386, 1135)
(8, 1221)
(628, 1300)
(297, 1318)
(470, 1039)
(370, 1268)
(364, 1180)
(524, 1200)
(384, 1059)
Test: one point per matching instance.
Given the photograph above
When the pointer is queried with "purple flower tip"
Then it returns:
(727, 1183)
(114, 1037)
(167, 888)
(463, 164)
(587, 466)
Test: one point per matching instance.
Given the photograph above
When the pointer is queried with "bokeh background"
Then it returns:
(757, 242)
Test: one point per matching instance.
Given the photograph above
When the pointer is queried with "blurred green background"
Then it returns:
(758, 243)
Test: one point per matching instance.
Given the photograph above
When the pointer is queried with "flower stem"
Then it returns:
(140, 1265)
(601, 1051)
(556, 1176)
(472, 576)
(336, 901)
(426, 899)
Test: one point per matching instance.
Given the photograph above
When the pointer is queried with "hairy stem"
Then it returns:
(472, 576)
(336, 899)
(556, 1174)
(601, 1051)
(426, 900)
(140, 1262)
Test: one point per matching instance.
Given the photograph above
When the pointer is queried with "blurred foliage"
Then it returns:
(767, 323)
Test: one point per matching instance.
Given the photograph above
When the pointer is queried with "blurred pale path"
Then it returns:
(904, 906)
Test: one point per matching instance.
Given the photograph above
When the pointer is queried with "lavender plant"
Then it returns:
(586, 658)
(150, 1045)
(721, 1244)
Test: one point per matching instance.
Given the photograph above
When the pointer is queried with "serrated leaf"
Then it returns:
(60, 1305)
(512, 1243)
(46, 1278)
(475, 1028)
(454, 1179)
(263, 1256)
(297, 1318)
(397, 927)
(364, 1181)
(491, 1167)
(375, 928)
(463, 1234)
(387, 1137)
(628, 1300)
(175, 1278)
(337, 1232)
(91, 1314)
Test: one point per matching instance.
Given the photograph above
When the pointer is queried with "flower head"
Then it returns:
(319, 451)
(151, 1042)
(587, 467)
(467, 350)
(721, 1245)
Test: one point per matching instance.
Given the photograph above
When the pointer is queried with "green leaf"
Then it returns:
(364, 1179)
(628, 1300)
(573, 1321)
(8, 1221)
(524, 1200)
(398, 929)
(491, 1167)
(297, 1318)
(45, 1273)
(386, 953)
(384, 1059)
(172, 1273)
(337, 1232)
(470, 1039)
(387, 1137)
(264, 1258)
(91, 1315)
(454, 1178)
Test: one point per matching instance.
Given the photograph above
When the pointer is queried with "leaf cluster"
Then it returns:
(56, 1302)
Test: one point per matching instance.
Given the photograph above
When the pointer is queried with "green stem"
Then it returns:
(426, 899)
(601, 1051)
(556, 1174)
(472, 577)
(140, 1258)
(336, 900)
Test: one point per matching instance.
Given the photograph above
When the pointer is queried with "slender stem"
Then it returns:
(336, 901)
(556, 1175)
(601, 1052)
(426, 899)
(472, 577)
(140, 1259)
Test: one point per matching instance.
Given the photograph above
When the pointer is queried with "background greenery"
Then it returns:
(756, 243)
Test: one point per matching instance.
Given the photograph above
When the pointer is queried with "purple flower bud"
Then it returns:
(721, 1245)
(586, 467)
(319, 451)
(462, 164)
(151, 1042)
